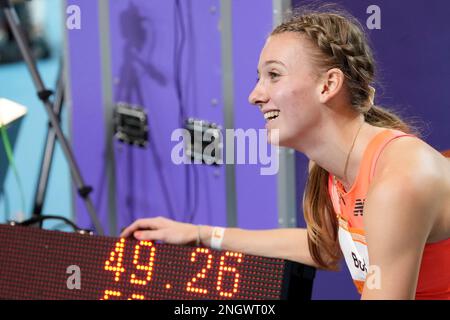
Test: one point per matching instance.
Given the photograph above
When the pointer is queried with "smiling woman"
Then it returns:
(323, 85)
(371, 179)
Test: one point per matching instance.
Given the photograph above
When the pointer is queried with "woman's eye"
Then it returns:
(273, 75)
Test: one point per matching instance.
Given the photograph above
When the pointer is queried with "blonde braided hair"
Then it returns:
(343, 45)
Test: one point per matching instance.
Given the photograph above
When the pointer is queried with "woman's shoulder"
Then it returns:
(418, 175)
(412, 157)
(412, 173)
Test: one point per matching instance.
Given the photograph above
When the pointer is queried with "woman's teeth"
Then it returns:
(271, 115)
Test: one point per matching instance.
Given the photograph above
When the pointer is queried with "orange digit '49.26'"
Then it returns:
(202, 274)
(145, 267)
(223, 268)
(117, 257)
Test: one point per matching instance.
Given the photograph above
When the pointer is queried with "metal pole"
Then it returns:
(287, 197)
(108, 105)
(47, 159)
(228, 100)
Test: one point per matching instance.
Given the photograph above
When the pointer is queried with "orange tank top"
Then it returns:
(434, 274)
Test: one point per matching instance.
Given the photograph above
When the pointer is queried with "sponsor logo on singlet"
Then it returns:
(359, 207)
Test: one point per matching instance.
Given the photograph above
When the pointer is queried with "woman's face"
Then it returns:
(287, 90)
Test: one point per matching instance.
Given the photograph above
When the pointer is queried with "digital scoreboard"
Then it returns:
(42, 264)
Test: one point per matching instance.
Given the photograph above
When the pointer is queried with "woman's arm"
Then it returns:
(290, 244)
(399, 214)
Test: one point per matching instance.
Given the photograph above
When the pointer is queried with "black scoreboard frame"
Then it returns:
(36, 264)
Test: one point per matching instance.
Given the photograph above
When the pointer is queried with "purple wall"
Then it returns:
(412, 49)
(256, 194)
(88, 129)
(144, 34)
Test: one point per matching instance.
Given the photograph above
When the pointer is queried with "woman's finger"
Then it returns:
(138, 225)
(150, 235)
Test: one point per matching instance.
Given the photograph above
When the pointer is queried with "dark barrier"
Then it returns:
(40, 264)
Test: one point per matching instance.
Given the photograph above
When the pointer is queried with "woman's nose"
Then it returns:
(258, 97)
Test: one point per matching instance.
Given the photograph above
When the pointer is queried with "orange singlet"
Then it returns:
(434, 274)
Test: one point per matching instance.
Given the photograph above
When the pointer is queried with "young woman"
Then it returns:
(375, 191)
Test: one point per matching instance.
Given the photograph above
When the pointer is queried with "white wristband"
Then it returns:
(217, 238)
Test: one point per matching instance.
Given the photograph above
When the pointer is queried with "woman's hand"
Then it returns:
(162, 229)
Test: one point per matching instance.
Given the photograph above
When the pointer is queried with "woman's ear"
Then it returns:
(330, 84)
